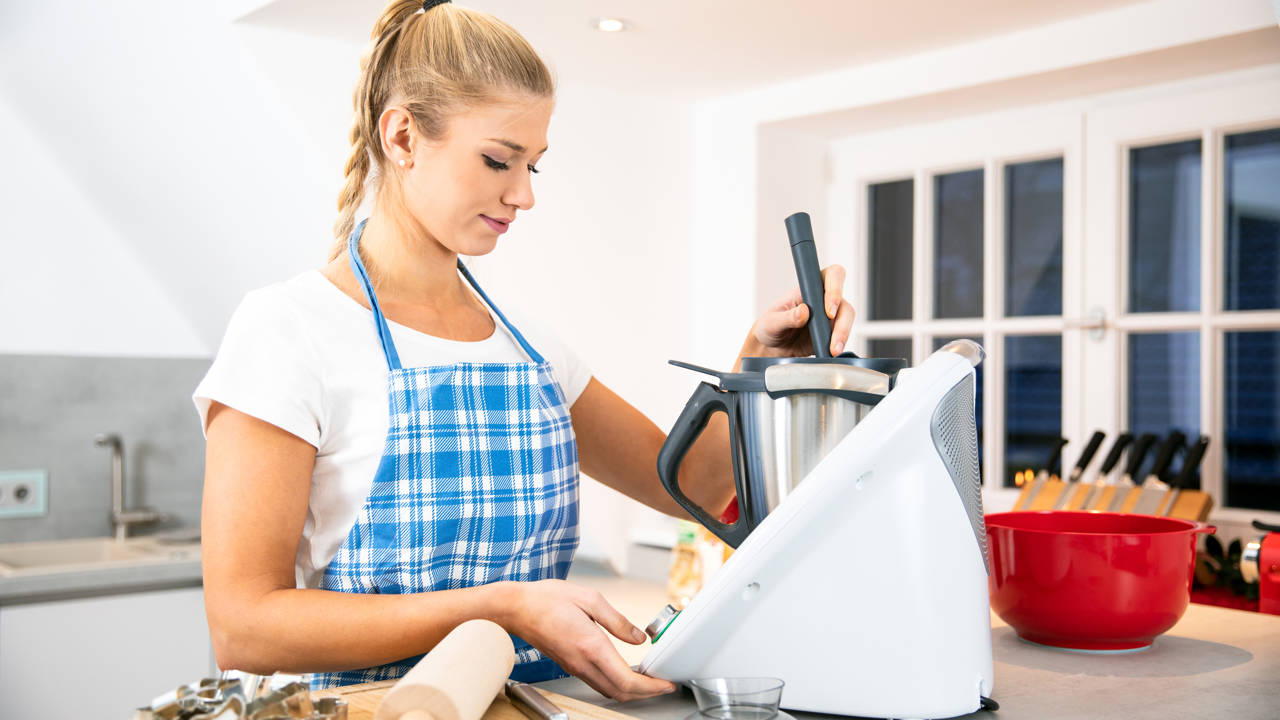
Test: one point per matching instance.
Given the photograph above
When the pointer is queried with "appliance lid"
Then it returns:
(862, 380)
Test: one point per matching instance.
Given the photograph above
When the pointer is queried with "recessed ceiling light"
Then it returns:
(608, 24)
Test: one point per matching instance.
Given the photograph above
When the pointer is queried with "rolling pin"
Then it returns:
(457, 680)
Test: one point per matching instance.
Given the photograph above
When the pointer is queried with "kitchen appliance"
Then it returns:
(1033, 489)
(785, 414)
(1149, 498)
(1260, 563)
(1072, 483)
(897, 497)
(1090, 580)
(1084, 495)
(1113, 496)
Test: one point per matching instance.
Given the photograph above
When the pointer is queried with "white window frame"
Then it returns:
(1208, 110)
(1093, 136)
(989, 142)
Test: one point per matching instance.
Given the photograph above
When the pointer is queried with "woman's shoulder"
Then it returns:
(303, 298)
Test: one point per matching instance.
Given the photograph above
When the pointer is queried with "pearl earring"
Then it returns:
(402, 163)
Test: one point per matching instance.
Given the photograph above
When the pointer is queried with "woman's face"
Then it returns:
(467, 188)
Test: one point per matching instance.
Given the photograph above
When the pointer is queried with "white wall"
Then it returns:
(174, 160)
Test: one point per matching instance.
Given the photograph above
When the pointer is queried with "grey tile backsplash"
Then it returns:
(52, 407)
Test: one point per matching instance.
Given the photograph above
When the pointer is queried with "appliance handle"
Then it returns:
(707, 399)
(804, 255)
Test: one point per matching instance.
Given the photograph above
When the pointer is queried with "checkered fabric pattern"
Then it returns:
(478, 483)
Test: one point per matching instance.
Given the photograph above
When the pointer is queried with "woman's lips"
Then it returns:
(497, 225)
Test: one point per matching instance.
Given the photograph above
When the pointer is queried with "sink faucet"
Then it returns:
(121, 519)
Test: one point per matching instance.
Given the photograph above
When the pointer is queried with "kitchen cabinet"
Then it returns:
(100, 657)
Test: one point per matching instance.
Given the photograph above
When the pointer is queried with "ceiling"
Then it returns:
(706, 47)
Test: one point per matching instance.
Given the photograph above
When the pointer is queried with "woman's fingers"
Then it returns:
(775, 326)
(610, 619)
(833, 289)
(841, 327)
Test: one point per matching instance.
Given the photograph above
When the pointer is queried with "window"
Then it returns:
(1156, 310)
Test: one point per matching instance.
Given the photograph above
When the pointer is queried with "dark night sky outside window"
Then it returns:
(1253, 419)
(1164, 388)
(1251, 176)
(957, 243)
(1033, 401)
(890, 348)
(890, 226)
(1033, 238)
(1164, 228)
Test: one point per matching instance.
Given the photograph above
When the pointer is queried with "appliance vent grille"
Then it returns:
(955, 435)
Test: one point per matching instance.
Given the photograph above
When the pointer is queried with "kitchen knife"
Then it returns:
(1184, 503)
(1112, 459)
(1114, 496)
(1029, 495)
(533, 703)
(1154, 491)
(1065, 497)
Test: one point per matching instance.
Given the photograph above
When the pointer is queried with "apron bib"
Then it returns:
(478, 483)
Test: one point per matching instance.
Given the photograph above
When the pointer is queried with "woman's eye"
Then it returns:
(533, 170)
(495, 164)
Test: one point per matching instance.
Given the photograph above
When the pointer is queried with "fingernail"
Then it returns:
(832, 310)
(795, 314)
(637, 634)
(835, 349)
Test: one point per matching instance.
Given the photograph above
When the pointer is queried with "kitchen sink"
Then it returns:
(89, 554)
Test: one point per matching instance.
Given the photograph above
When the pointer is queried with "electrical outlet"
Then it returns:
(24, 493)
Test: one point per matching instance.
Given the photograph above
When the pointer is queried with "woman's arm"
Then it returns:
(257, 483)
(618, 445)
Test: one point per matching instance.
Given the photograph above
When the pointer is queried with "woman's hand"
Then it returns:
(781, 331)
(564, 620)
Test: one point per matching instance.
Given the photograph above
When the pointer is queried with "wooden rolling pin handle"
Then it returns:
(457, 680)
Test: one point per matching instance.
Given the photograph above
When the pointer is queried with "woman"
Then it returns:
(389, 454)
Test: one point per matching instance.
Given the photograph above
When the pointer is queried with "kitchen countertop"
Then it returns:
(1215, 663)
(176, 566)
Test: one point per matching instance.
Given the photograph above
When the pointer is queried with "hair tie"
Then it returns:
(428, 4)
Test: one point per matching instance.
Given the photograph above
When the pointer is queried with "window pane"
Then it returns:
(1252, 190)
(1033, 238)
(977, 379)
(890, 348)
(957, 245)
(1164, 389)
(1252, 469)
(1032, 401)
(1164, 227)
(889, 230)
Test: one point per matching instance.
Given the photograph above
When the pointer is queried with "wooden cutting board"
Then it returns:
(362, 701)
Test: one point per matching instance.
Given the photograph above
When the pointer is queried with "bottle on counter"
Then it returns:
(684, 578)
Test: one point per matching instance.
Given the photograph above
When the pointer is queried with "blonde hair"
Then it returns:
(433, 63)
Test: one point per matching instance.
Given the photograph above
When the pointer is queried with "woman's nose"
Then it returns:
(520, 193)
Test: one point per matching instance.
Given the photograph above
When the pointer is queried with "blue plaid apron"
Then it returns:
(478, 483)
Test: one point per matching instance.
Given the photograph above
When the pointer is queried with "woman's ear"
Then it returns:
(395, 128)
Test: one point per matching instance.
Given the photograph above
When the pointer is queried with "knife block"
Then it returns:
(1048, 496)
(1190, 505)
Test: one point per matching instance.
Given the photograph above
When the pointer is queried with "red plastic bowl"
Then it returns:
(1091, 581)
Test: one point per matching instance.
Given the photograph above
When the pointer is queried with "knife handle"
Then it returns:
(1053, 456)
(1139, 453)
(1113, 457)
(1086, 456)
(1165, 456)
(1191, 463)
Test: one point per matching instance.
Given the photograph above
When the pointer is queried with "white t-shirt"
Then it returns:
(304, 356)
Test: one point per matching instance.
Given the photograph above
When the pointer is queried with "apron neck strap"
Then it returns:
(380, 321)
